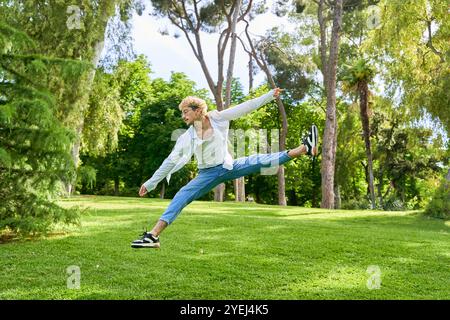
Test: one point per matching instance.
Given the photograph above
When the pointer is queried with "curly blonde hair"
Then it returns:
(193, 102)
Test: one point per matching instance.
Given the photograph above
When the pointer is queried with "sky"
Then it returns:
(167, 53)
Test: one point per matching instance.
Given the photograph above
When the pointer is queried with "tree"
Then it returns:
(415, 35)
(358, 78)
(34, 146)
(328, 69)
(116, 100)
(193, 17)
(62, 29)
(350, 174)
(408, 158)
(292, 69)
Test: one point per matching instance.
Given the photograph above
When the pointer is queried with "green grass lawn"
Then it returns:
(232, 251)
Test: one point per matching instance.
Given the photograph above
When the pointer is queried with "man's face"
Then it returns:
(189, 115)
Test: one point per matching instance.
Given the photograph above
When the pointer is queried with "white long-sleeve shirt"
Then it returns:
(209, 152)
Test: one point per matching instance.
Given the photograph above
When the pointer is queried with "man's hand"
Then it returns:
(143, 191)
(277, 92)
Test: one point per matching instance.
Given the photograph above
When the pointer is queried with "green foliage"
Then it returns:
(412, 45)
(350, 155)
(356, 204)
(34, 146)
(237, 92)
(77, 34)
(103, 116)
(439, 206)
(303, 175)
(360, 71)
(130, 85)
(87, 175)
(406, 156)
(293, 69)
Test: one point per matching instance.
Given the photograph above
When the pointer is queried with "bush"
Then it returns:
(356, 204)
(439, 206)
(390, 204)
(35, 216)
(394, 204)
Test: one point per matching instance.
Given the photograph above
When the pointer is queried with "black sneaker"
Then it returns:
(311, 140)
(147, 240)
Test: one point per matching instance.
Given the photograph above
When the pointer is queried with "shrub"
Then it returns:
(439, 206)
(356, 204)
(394, 204)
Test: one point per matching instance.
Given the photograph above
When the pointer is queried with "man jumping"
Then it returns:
(207, 140)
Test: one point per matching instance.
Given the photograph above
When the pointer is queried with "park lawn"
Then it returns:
(232, 251)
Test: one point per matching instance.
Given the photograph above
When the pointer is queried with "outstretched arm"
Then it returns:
(249, 106)
(159, 175)
(180, 152)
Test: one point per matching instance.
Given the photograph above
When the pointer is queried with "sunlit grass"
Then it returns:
(232, 251)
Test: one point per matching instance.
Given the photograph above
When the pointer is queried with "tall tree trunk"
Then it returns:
(330, 132)
(239, 184)
(75, 151)
(219, 192)
(282, 147)
(242, 196)
(229, 81)
(282, 142)
(363, 105)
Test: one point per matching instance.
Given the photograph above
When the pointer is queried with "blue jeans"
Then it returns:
(208, 178)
